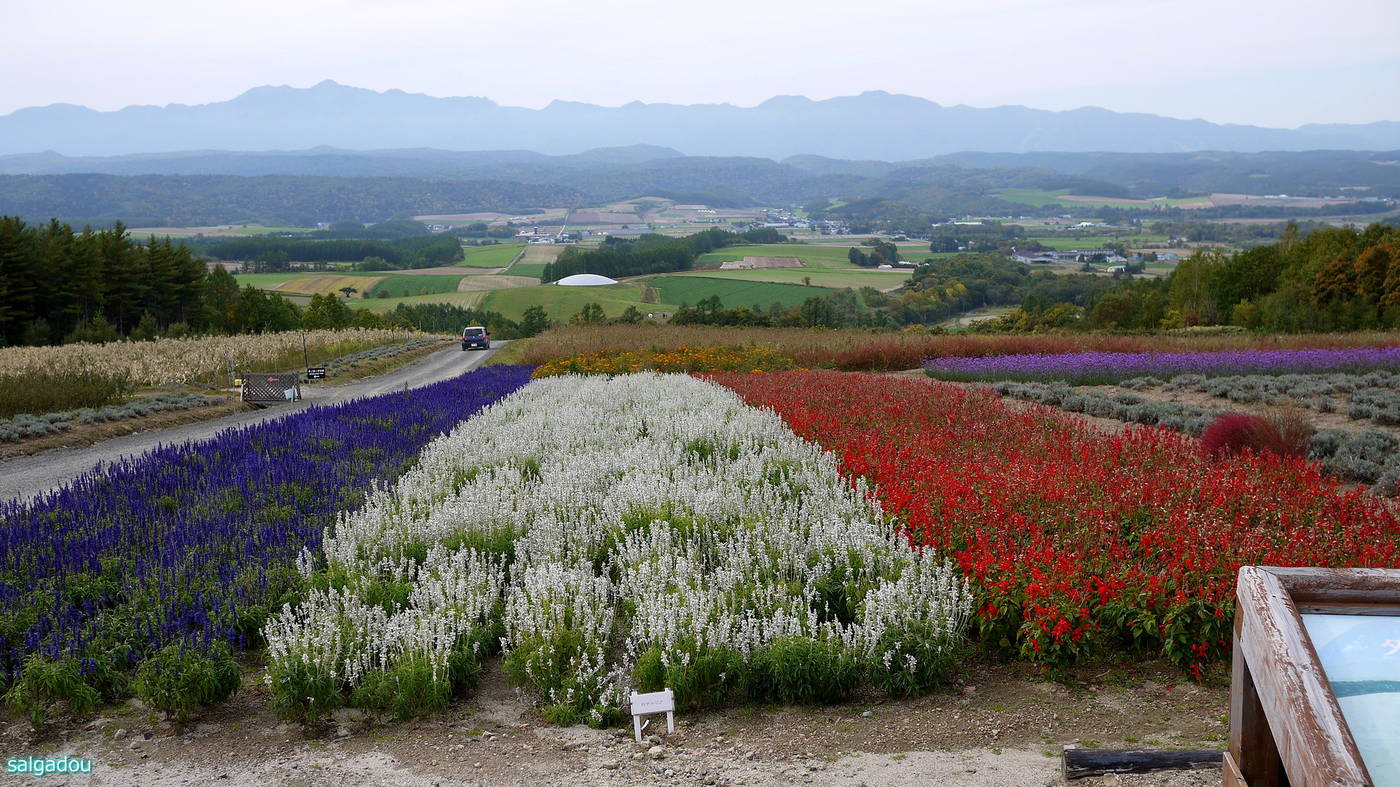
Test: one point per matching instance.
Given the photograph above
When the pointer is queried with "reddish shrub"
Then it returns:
(1232, 433)
(1283, 433)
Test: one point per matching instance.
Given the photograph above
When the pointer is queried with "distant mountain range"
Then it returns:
(872, 125)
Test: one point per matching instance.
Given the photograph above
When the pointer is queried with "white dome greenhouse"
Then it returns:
(585, 280)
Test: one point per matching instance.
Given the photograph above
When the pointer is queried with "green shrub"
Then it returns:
(36, 393)
(700, 678)
(182, 681)
(301, 692)
(799, 671)
(45, 684)
(915, 659)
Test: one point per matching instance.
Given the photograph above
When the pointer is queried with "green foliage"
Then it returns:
(915, 660)
(182, 682)
(544, 666)
(302, 693)
(705, 678)
(649, 253)
(45, 685)
(58, 283)
(733, 292)
(37, 393)
(798, 671)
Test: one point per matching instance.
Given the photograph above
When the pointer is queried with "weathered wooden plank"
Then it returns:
(1079, 763)
(1230, 775)
(1373, 586)
(1251, 741)
(1307, 724)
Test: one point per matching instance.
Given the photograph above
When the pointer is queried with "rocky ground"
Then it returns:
(997, 725)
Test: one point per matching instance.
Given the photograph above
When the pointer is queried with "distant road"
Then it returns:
(27, 476)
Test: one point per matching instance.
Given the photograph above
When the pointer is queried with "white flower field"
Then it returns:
(608, 535)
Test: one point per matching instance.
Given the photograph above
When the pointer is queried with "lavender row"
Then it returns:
(1090, 368)
(194, 543)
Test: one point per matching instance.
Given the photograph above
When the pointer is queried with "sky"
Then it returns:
(1279, 63)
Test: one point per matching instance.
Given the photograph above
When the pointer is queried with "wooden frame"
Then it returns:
(1286, 726)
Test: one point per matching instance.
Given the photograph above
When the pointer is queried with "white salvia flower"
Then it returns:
(641, 511)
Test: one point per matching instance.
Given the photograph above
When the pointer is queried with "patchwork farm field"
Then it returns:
(1042, 197)
(467, 292)
(733, 292)
(561, 303)
(836, 278)
(401, 286)
(812, 256)
(493, 256)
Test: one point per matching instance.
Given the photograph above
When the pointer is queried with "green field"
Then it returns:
(1036, 197)
(395, 285)
(464, 299)
(851, 277)
(811, 256)
(267, 281)
(527, 269)
(561, 303)
(401, 286)
(1065, 243)
(733, 292)
(495, 256)
(1042, 197)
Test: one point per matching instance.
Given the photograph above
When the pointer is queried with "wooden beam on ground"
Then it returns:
(1079, 763)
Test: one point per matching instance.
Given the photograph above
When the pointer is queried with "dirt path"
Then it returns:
(1000, 725)
(27, 476)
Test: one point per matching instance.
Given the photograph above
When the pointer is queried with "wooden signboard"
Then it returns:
(1315, 685)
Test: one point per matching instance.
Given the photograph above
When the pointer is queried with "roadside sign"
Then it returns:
(663, 701)
(316, 373)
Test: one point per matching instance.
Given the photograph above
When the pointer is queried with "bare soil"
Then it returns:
(750, 263)
(998, 724)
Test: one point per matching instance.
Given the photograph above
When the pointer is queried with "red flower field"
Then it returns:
(1078, 543)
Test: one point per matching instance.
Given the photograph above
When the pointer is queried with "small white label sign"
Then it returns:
(653, 702)
(663, 701)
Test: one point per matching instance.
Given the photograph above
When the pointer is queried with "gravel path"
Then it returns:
(28, 476)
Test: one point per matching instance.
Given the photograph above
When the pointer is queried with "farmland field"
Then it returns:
(812, 256)
(833, 277)
(531, 269)
(733, 292)
(1042, 197)
(561, 303)
(493, 256)
(469, 292)
(400, 286)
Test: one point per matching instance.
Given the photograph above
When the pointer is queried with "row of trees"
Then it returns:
(56, 283)
(1328, 280)
(272, 255)
(882, 252)
(619, 257)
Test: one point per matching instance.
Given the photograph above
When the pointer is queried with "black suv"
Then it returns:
(476, 338)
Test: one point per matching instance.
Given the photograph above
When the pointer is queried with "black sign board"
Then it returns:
(316, 373)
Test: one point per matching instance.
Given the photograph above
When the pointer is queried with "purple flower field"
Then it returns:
(1097, 368)
(193, 544)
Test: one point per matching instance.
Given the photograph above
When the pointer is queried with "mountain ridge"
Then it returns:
(874, 125)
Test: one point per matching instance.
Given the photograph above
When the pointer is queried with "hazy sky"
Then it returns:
(1266, 62)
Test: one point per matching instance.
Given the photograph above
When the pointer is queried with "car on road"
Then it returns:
(475, 337)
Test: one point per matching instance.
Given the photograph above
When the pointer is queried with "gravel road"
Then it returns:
(28, 476)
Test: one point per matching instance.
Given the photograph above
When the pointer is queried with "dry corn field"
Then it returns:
(203, 359)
